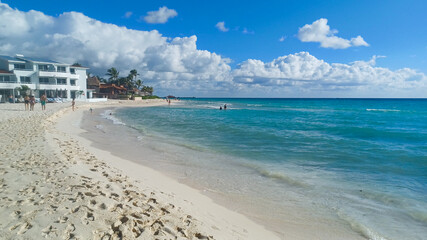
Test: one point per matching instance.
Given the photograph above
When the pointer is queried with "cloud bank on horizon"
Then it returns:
(177, 66)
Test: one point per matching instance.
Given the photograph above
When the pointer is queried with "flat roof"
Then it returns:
(14, 59)
(41, 60)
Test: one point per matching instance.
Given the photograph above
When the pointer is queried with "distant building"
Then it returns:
(93, 86)
(110, 90)
(42, 76)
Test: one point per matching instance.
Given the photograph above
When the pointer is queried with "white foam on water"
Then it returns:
(382, 110)
(109, 114)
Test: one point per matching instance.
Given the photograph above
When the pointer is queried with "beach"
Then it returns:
(56, 185)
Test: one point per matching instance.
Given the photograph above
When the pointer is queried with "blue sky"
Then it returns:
(394, 29)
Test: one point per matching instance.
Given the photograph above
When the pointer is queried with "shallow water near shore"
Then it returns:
(356, 166)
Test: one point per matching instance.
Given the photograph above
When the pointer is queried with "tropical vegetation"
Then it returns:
(23, 90)
(130, 82)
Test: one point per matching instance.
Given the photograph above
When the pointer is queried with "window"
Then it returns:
(43, 68)
(73, 82)
(60, 69)
(4, 78)
(61, 81)
(72, 70)
(44, 80)
(25, 80)
(18, 66)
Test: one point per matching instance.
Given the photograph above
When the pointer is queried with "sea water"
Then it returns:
(362, 161)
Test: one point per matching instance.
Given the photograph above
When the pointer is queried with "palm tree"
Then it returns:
(114, 75)
(23, 89)
(133, 74)
(139, 83)
(148, 90)
(132, 78)
(123, 81)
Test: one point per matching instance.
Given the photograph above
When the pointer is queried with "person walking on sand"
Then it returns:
(32, 103)
(73, 103)
(43, 101)
(27, 103)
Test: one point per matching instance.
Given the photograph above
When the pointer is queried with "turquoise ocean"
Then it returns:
(362, 162)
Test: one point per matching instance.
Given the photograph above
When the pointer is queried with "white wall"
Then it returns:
(82, 82)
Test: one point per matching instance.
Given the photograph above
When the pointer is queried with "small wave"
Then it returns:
(360, 228)
(108, 114)
(419, 216)
(277, 176)
(254, 105)
(382, 110)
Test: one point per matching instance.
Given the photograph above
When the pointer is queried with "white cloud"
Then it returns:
(128, 14)
(221, 27)
(73, 37)
(283, 38)
(304, 71)
(319, 31)
(177, 67)
(160, 16)
(358, 41)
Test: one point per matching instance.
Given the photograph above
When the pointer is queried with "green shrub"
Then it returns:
(150, 97)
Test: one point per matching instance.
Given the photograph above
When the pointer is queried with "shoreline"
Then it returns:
(191, 200)
(288, 228)
(68, 189)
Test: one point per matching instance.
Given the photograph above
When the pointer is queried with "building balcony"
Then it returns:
(14, 84)
(54, 74)
(9, 81)
(22, 69)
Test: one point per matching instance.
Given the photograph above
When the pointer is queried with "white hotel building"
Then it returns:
(42, 76)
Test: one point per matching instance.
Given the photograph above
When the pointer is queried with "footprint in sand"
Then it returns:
(24, 227)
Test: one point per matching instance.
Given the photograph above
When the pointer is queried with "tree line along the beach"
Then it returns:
(130, 82)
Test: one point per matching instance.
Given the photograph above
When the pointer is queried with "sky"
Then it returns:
(276, 48)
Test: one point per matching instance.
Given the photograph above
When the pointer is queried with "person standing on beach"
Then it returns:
(32, 103)
(73, 103)
(43, 101)
(27, 103)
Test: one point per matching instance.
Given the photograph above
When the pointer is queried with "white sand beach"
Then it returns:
(56, 185)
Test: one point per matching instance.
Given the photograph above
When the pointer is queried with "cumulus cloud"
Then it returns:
(176, 66)
(160, 16)
(221, 27)
(282, 38)
(73, 37)
(319, 31)
(305, 71)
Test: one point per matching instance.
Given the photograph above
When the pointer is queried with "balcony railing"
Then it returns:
(48, 83)
(8, 81)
